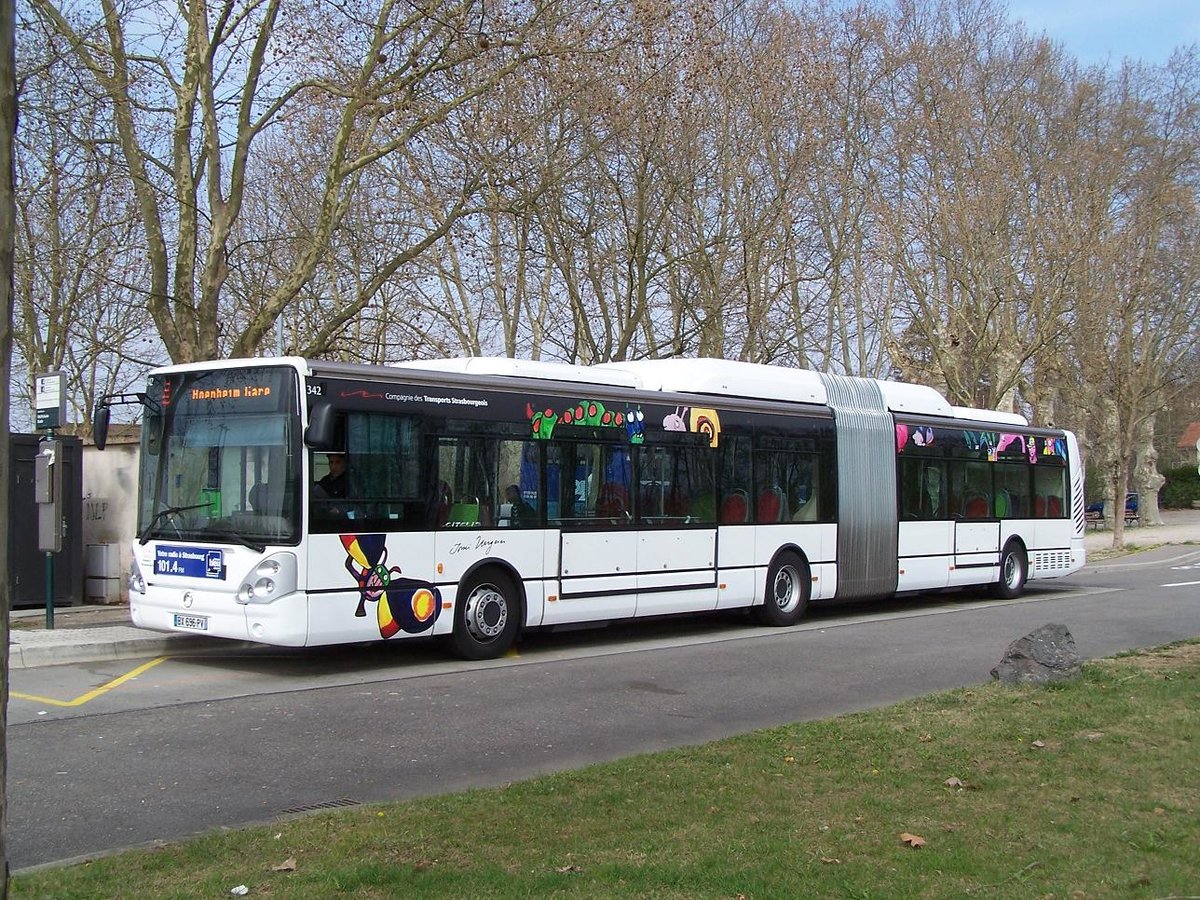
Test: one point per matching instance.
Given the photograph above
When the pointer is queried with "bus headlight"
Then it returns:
(273, 577)
(137, 581)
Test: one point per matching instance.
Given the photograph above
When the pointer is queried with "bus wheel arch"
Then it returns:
(489, 610)
(1014, 570)
(787, 590)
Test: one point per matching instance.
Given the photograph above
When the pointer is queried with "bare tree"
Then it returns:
(192, 101)
(77, 273)
(966, 197)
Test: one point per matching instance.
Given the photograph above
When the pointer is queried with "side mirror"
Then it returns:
(100, 417)
(152, 428)
(321, 434)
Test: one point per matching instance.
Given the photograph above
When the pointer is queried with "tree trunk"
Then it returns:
(1147, 480)
(8, 215)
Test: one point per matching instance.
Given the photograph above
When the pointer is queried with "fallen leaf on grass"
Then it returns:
(912, 840)
(1039, 744)
(568, 870)
(953, 782)
(288, 865)
(831, 861)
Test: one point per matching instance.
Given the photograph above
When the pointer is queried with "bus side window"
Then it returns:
(1049, 486)
(1012, 490)
(933, 491)
(518, 494)
(912, 489)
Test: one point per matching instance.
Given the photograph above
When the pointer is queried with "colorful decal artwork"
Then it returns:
(1010, 440)
(707, 422)
(635, 426)
(401, 604)
(982, 440)
(585, 412)
(1055, 447)
(697, 420)
(920, 435)
(993, 443)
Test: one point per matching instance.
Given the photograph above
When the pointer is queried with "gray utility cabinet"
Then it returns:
(27, 564)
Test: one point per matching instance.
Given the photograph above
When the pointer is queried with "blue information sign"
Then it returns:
(190, 562)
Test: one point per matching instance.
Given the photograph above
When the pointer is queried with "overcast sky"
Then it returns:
(1099, 31)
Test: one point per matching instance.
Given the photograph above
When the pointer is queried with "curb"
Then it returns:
(34, 656)
(1137, 558)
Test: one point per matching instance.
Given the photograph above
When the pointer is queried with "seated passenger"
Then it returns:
(520, 513)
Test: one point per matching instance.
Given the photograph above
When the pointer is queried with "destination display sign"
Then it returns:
(226, 391)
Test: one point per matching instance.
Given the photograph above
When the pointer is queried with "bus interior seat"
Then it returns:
(1039, 507)
(976, 507)
(735, 508)
(704, 508)
(806, 511)
(676, 504)
(648, 500)
(1053, 507)
(463, 513)
(771, 505)
(441, 505)
(611, 501)
(1003, 504)
(265, 501)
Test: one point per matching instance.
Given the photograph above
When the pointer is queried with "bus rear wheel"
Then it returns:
(486, 616)
(1014, 569)
(789, 585)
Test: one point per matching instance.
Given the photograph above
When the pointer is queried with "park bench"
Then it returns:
(1093, 513)
(1132, 516)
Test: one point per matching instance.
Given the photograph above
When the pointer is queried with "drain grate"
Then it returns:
(340, 803)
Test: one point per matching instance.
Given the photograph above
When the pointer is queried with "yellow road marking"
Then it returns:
(93, 694)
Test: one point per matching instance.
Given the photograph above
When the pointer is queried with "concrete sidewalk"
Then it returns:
(1180, 526)
(97, 633)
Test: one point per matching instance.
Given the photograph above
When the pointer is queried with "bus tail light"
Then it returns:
(273, 577)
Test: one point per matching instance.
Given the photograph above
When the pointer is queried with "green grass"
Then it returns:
(1087, 789)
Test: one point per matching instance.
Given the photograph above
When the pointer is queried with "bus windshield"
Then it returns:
(219, 462)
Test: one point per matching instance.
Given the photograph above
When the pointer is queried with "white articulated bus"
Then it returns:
(482, 497)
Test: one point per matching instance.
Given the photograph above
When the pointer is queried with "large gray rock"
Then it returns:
(1047, 654)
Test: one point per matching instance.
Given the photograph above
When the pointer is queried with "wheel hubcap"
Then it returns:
(486, 613)
(787, 589)
(1012, 570)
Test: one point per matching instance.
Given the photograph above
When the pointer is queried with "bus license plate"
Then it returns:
(196, 623)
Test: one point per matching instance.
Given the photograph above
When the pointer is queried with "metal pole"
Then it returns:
(49, 590)
(50, 553)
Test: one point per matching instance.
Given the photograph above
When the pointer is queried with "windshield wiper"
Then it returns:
(242, 539)
(162, 513)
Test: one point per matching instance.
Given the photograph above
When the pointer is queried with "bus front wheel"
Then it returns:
(486, 616)
(1014, 569)
(789, 585)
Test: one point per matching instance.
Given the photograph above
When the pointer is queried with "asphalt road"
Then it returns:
(190, 745)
